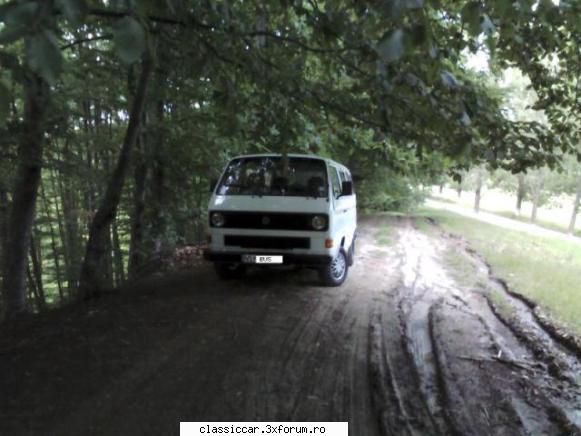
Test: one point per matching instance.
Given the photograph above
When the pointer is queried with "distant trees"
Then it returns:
(538, 186)
(536, 181)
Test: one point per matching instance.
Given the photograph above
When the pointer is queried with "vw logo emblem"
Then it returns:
(265, 220)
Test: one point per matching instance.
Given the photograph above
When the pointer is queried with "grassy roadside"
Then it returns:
(550, 225)
(545, 269)
(545, 224)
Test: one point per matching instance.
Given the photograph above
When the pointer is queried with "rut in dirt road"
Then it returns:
(475, 374)
(399, 349)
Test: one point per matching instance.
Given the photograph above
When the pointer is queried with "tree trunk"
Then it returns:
(478, 193)
(459, 189)
(90, 280)
(69, 228)
(538, 185)
(24, 196)
(149, 225)
(53, 244)
(33, 298)
(158, 195)
(136, 249)
(535, 207)
(3, 229)
(118, 270)
(536, 200)
(520, 192)
(35, 257)
(576, 205)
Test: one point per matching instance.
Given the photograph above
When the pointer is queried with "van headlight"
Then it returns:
(319, 222)
(217, 219)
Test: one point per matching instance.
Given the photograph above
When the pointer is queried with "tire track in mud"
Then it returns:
(417, 296)
(543, 370)
(422, 286)
(456, 342)
(555, 356)
(566, 346)
(401, 405)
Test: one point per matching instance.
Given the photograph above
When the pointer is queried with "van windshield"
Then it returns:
(297, 177)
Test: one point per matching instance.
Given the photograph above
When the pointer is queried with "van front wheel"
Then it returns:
(335, 273)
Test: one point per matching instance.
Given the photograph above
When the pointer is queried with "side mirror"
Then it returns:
(356, 178)
(346, 188)
(213, 183)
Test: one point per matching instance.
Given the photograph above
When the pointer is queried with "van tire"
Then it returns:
(330, 274)
(229, 271)
(351, 254)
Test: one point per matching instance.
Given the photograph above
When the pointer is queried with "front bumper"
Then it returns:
(288, 258)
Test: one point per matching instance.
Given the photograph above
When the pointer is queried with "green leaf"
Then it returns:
(18, 14)
(465, 119)
(393, 8)
(9, 61)
(449, 80)
(44, 56)
(17, 19)
(487, 25)
(12, 33)
(74, 10)
(417, 35)
(471, 17)
(414, 4)
(129, 37)
(4, 103)
(391, 47)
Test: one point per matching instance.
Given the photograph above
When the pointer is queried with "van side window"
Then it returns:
(335, 182)
(346, 177)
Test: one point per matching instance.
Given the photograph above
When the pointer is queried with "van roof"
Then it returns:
(310, 156)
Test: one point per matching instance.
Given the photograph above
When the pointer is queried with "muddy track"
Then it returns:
(400, 349)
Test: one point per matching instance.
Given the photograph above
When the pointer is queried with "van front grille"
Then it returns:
(270, 242)
(270, 220)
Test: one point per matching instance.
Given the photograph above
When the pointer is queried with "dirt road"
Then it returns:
(400, 349)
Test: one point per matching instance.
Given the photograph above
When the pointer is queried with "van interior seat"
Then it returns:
(279, 183)
(316, 185)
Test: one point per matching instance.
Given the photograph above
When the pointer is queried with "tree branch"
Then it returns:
(191, 22)
(107, 36)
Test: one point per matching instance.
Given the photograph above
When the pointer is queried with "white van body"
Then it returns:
(273, 221)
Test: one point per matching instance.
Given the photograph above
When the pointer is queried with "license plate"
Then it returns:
(262, 259)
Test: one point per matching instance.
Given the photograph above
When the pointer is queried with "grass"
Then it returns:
(501, 304)
(424, 226)
(548, 270)
(541, 223)
(460, 268)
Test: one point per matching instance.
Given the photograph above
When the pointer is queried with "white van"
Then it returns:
(270, 209)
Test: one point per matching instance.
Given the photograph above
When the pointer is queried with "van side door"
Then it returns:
(344, 208)
(350, 204)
